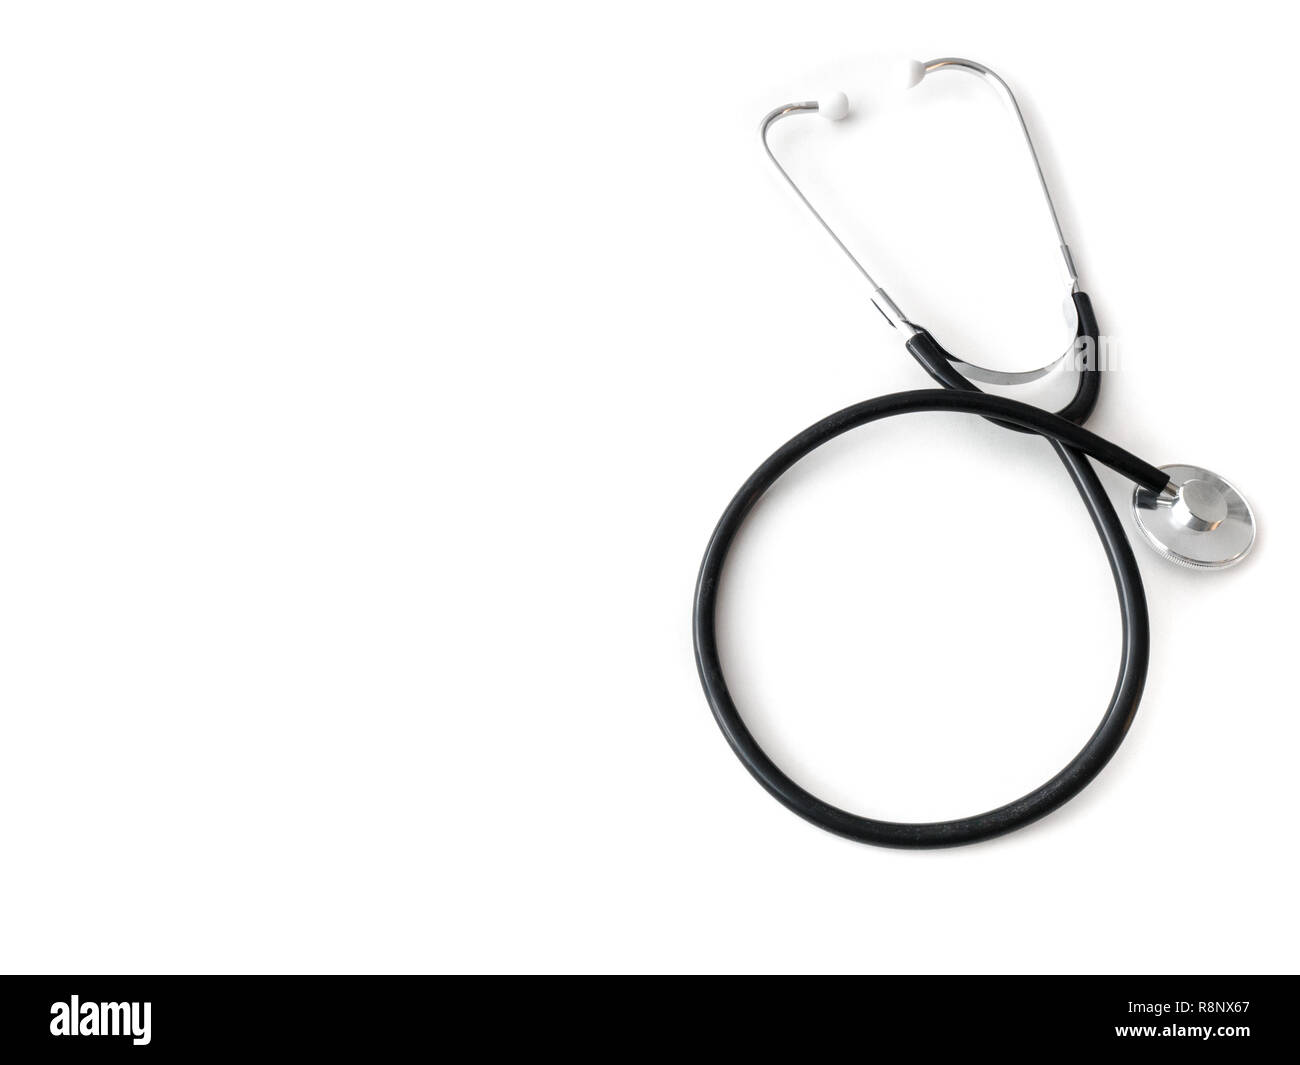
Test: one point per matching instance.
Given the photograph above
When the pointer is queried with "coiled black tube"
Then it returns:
(1072, 444)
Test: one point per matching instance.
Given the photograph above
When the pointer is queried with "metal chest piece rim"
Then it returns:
(1200, 521)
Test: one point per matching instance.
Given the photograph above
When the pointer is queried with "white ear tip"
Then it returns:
(915, 72)
(834, 106)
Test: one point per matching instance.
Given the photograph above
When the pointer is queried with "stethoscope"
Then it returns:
(1192, 517)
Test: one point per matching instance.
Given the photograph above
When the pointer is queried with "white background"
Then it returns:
(373, 376)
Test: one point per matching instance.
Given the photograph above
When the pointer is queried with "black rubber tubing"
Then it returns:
(938, 363)
(1072, 444)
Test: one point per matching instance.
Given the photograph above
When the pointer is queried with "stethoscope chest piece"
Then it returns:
(1200, 521)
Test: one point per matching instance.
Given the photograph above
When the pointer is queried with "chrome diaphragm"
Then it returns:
(1200, 520)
